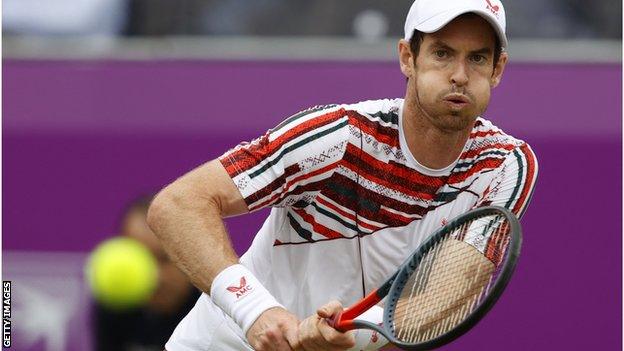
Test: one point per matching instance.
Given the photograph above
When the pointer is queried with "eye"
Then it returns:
(478, 58)
(441, 53)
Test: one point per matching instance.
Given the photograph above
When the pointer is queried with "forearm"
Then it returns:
(192, 232)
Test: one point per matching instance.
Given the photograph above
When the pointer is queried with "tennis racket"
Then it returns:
(447, 285)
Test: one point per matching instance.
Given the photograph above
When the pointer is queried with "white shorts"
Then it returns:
(207, 328)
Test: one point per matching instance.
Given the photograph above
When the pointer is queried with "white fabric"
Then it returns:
(207, 328)
(220, 333)
(303, 276)
(239, 293)
(366, 339)
(429, 16)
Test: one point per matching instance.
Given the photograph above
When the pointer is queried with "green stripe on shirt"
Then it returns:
(296, 146)
(519, 181)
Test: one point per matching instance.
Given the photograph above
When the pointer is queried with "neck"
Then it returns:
(431, 146)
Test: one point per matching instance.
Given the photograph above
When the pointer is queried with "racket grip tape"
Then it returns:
(344, 321)
(339, 324)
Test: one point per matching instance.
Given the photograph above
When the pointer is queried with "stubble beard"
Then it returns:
(448, 121)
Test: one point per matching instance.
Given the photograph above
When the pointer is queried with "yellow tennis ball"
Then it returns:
(122, 273)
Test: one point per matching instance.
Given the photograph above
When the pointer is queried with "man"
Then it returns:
(353, 190)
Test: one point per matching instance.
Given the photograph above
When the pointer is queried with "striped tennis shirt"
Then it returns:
(350, 202)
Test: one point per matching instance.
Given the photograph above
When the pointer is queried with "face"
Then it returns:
(450, 80)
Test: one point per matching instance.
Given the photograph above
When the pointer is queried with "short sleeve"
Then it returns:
(513, 185)
(288, 165)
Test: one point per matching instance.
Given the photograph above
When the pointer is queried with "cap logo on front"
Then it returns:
(493, 8)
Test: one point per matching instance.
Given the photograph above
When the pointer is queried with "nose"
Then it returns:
(459, 76)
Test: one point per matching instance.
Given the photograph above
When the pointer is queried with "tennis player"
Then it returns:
(354, 188)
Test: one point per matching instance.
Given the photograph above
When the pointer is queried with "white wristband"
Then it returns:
(239, 294)
(366, 339)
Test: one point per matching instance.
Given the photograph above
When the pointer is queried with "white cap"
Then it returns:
(429, 16)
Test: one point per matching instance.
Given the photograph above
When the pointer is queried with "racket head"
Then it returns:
(509, 241)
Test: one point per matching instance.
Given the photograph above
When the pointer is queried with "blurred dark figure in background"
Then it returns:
(148, 327)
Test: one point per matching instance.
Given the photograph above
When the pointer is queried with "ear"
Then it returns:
(497, 75)
(406, 58)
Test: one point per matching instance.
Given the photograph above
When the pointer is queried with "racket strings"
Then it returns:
(446, 313)
(451, 280)
(442, 301)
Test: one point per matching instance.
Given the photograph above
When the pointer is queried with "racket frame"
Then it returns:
(393, 287)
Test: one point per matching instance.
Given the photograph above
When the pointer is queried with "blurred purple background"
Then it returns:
(82, 138)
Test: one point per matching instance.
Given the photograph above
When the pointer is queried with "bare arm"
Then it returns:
(187, 217)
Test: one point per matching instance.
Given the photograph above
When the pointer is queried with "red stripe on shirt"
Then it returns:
(528, 183)
(247, 157)
(404, 173)
(484, 133)
(281, 195)
(345, 214)
(317, 227)
(487, 163)
(370, 201)
(386, 135)
(385, 174)
(475, 152)
(274, 185)
(402, 220)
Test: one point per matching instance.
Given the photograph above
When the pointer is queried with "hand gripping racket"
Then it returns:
(447, 285)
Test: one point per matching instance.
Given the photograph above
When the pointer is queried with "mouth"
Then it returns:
(457, 101)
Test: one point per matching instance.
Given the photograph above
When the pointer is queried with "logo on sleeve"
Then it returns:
(241, 290)
(493, 8)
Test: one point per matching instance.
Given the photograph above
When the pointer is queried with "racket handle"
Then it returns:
(343, 321)
(337, 323)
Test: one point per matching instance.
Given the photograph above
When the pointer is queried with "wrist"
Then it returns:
(241, 295)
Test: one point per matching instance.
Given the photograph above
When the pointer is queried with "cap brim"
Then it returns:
(435, 23)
